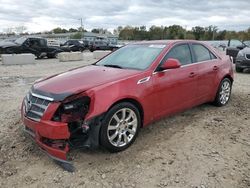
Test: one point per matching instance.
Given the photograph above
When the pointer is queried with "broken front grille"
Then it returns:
(36, 105)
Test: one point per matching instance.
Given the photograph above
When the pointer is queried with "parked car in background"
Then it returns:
(242, 60)
(100, 45)
(5, 41)
(247, 42)
(35, 45)
(73, 45)
(86, 43)
(116, 46)
(234, 46)
(107, 103)
(218, 44)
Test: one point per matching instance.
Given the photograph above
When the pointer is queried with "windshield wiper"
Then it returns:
(114, 66)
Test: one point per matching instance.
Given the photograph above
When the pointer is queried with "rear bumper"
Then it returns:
(39, 131)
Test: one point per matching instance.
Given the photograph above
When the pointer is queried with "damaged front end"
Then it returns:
(57, 127)
(83, 133)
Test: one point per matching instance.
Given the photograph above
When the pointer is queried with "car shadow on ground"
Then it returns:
(149, 137)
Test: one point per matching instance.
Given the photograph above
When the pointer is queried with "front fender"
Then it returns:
(103, 97)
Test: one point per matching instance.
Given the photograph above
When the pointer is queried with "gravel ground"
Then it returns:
(204, 147)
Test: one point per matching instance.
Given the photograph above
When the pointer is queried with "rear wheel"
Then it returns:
(238, 69)
(39, 55)
(224, 92)
(120, 127)
(54, 55)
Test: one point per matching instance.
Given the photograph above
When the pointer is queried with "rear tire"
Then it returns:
(224, 92)
(120, 127)
(238, 69)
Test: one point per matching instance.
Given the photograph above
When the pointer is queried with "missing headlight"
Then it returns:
(74, 110)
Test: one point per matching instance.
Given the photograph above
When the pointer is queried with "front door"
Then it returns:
(175, 89)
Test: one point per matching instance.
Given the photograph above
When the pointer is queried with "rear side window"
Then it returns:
(180, 52)
(202, 53)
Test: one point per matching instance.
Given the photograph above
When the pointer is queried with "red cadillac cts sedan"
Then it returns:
(106, 103)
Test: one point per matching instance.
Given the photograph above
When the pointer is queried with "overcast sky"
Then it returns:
(41, 15)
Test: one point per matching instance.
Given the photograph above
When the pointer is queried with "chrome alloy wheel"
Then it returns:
(122, 127)
(225, 92)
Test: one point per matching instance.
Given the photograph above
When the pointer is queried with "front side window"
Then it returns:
(180, 52)
(133, 56)
(202, 53)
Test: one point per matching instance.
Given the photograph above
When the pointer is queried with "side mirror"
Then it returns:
(171, 64)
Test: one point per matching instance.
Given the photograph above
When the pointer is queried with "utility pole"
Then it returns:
(185, 32)
(214, 27)
(81, 27)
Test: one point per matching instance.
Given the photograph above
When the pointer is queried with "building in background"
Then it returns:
(63, 37)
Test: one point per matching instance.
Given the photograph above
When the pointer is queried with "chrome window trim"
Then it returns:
(210, 51)
(42, 97)
(155, 72)
(181, 43)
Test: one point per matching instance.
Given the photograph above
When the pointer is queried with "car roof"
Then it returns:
(164, 41)
(31, 37)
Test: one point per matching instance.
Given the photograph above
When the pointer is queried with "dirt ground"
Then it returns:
(205, 147)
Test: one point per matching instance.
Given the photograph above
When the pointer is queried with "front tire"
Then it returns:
(120, 127)
(224, 92)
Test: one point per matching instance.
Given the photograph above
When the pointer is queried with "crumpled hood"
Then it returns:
(81, 79)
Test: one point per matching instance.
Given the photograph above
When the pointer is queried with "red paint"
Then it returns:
(163, 94)
(171, 64)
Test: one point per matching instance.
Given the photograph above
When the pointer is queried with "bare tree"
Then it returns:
(20, 29)
(8, 30)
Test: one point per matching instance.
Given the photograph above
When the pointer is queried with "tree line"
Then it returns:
(178, 32)
(167, 32)
(153, 33)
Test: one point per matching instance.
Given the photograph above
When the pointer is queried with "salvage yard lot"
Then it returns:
(202, 147)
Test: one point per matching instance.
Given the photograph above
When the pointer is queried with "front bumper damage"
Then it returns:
(56, 139)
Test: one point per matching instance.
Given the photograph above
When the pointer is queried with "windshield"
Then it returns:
(20, 40)
(133, 56)
(247, 42)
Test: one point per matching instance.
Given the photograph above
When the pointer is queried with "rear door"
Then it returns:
(42, 46)
(208, 67)
(175, 89)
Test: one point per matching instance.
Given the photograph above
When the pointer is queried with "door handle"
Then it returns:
(215, 68)
(191, 74)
